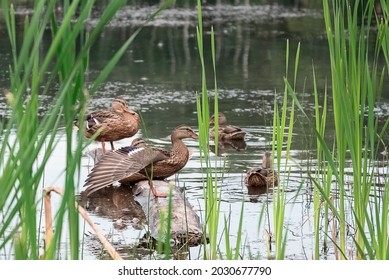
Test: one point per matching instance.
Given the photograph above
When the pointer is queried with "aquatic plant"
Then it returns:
(28, 141)
(211, 191)
(356, 87)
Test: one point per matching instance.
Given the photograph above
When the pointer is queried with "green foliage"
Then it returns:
(31, 75)
(283, 123)
(211, 191)
(356, 86)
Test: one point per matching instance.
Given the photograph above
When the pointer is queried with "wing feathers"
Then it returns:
(119, 165)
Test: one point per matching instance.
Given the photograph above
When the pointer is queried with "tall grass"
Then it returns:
(212, 194)
(211, 191)
(32, 75)
(283, 122)
(323, 174)
(354, 80)
(356, 85)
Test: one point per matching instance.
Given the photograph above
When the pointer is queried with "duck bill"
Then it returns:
(195, 136)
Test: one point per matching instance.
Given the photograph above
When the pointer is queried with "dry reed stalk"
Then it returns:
(268, 238)
(48, 218)
(111, 250)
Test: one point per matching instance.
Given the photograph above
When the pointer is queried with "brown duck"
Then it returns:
(135, 163)
(264, 176)
(226, 131)
(114, 124)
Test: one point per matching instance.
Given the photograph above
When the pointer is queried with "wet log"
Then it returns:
(185, 224)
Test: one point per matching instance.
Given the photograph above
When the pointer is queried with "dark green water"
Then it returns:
(160, 75)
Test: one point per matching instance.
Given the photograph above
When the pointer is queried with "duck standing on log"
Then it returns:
(135, 163)
(226, 131)
(264, 176)
(114, 124)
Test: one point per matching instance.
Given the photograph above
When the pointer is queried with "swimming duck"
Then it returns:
(226, 131)
(135, 163)
(114, 124)
(264, 176)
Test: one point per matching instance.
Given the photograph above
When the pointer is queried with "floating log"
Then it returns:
(185, 224)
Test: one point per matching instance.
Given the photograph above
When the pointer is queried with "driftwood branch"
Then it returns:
(49, 224)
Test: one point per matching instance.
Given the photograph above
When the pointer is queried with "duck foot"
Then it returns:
(154, 191)
(112, 146)
(103, 147)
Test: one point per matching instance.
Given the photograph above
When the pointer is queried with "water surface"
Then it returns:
(160, 76)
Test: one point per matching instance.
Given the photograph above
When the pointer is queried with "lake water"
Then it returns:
(160, 75)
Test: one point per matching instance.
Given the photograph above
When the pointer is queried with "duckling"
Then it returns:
(264, 176)
(133, 163)
(226, 131)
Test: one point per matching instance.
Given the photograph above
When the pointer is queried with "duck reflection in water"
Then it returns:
(117, 204)
(225, 146)
(256, 193)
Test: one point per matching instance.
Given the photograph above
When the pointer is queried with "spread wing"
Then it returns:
(120, 164)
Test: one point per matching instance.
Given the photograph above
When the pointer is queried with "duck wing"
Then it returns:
(255, 177)
(163, 151)
(99, 117)
(232, 129)
(233, 132)
(120, 164)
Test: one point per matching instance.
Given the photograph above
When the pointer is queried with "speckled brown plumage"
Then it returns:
(132, 164)
(264, 176)
(114, 124)
(226, 131)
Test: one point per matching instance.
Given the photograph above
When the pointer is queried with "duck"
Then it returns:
(264, 176)
(132, 164)
(226, 131)
(112, 124)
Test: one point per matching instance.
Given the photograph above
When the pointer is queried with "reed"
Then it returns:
(354, 80)
(209, 166)
(164, 231)
(323, 173)
(230, 253)
(211, 191)
(283, 122)
(29, 140)
(376, 240)
(356, 83)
